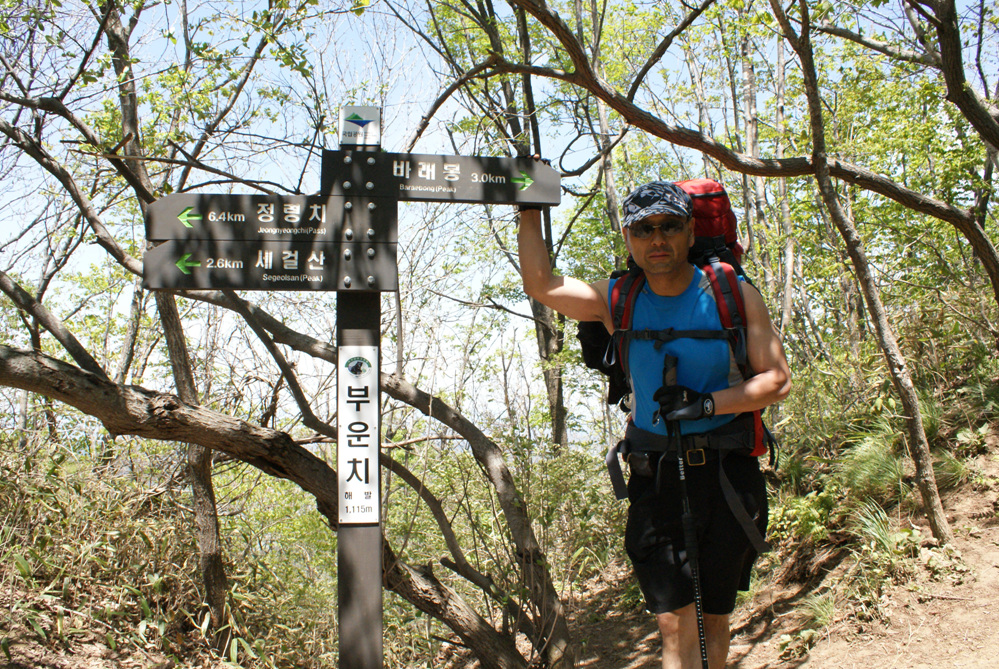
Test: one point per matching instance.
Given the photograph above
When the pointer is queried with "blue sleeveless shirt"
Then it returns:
(704, 365)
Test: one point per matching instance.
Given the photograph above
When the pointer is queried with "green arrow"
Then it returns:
(186, 216)
(524, 181)
(185, 264)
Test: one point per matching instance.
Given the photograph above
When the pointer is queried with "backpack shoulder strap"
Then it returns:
(727, 290)
(623, 296)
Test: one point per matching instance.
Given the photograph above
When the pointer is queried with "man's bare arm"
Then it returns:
(570, 297)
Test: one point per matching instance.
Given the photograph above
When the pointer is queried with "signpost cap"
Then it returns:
(360, 126)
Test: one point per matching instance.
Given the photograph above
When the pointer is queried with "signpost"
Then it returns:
(345, 239)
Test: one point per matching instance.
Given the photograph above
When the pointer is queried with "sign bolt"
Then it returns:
(348, 159)
(371, 233)
(371, 160)
(348, 234)
(348, 205)
(369, 185)
(371, 253)
(371, 281)
(346, 282)
(347, 255)
(371, 206)
(346, 185)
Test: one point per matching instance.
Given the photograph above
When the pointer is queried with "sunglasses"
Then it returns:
(643, 230)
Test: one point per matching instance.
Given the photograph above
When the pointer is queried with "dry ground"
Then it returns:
(937, 620)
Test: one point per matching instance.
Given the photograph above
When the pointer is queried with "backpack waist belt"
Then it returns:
(698, 449)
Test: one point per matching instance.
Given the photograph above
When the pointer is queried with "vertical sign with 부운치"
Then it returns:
(358, 434)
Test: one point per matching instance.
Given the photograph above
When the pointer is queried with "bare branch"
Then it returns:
(444, 97)
(24, 301)
(660, 50)
(983, 116)
(308, 417)
(58, 107)
(42, 157)
(931, 59)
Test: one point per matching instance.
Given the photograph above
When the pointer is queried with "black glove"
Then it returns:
(682, 403)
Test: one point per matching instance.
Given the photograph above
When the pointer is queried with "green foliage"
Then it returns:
(797, 645)
(821, 609)
(873, 527)
(972, 441)
(807, 518)
(871, 470)
(945, 563)
(951, 471)
(91, 558)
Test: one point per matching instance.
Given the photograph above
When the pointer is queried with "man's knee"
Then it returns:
(677, 624)
(680, 627)
(716, 623)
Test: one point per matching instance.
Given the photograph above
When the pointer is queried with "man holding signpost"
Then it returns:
(697, 498)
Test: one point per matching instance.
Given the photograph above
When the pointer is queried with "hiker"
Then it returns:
(687, 409)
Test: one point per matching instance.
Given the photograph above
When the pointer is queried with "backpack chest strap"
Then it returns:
(660, 337)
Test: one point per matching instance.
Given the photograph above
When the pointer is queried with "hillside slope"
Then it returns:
(943, 612)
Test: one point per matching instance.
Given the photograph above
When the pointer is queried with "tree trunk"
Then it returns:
(787, 225)
(757, 210)
(199, 470)
(107, 453)
(918, 445)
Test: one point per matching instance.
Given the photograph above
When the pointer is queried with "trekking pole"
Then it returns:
(689, 524)
(690, 542)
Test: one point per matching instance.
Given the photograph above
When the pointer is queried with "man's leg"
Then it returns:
(681, 646)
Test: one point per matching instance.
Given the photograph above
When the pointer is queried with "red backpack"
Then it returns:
(715, 230)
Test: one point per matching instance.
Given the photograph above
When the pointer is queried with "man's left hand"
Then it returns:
(682, 403)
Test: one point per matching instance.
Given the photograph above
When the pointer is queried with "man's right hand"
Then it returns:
(682, 403)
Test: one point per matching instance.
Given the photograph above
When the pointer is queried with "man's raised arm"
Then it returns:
(566, 295)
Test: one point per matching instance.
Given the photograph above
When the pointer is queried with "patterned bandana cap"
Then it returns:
(658, 197)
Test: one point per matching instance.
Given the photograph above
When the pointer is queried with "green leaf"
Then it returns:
(22, 566)
(38, 628)
(246, 647)
(360, 6)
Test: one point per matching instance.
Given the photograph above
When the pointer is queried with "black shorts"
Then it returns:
(654, 536)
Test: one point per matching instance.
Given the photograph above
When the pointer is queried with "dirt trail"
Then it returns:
(937, 620)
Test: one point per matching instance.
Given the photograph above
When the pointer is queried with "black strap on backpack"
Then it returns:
(598, 347)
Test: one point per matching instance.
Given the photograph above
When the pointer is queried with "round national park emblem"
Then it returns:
(358, 367)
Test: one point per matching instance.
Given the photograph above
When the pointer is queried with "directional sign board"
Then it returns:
(410, 176)
(262, 242)
(269, 217)
(264, 265)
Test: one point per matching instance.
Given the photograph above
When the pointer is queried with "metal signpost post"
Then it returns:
(346, 240)
(358, 359)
